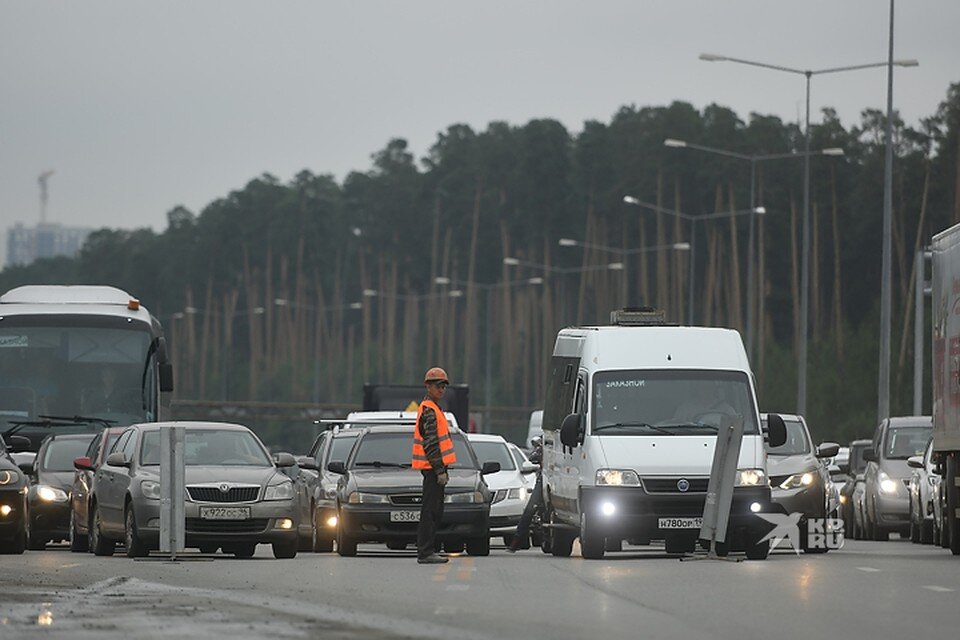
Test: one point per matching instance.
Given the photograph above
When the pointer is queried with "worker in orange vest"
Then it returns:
(432, 454)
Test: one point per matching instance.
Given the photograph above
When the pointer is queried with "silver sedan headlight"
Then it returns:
(150, 489)
(282, 491)
(359, 497)
(51, 494)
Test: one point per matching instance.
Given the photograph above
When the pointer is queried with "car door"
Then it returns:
(105, 481)
(82, 479)
(870, 473)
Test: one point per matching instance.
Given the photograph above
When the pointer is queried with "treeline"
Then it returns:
(301, 291)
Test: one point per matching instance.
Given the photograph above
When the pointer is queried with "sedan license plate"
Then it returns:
(680, 523)
(404, 516)
(225, 513)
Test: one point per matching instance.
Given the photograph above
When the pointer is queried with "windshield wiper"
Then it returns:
(81, 420)
(646, 425)
(378, 464)
(693, 425)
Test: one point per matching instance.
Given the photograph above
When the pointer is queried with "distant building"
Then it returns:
(26, 244)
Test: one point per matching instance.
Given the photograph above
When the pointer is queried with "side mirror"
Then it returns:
(828, 450)
(571, 434)
(306, 462)
(18, 444)
(165, 375)
(529, 467)
(117, 459)
(83, 463)
(869, 455)
(776, 430)
(489, 467)
(337, 466)
(915, 462)
(284, 460)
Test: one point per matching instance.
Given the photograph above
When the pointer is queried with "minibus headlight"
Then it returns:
(618, 477)
(751, 477)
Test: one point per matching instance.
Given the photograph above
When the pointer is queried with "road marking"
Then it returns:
(869, 569)
(70, 566)
(933, 587)
(441, 573)
(466, 569)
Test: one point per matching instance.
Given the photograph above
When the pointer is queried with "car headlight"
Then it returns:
(51, 494)
(750, 477)
(359, 497)
(843, 499)
(8, 476)
(282, 491)
(470, 497)
(330, 493)
(798, 480)
(150, 489)
(618, 477)
(887, 485)
(515, 493)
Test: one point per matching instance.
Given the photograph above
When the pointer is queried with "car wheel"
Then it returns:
(592, 545)
(135, 546)
(757, 550)
(36, 541)
(321, 543)
(926, 532)
(395, 545)
(346, 546)
(100, 545)
(78, 543)
(680, 544)
(243, 549)
(479, 546)
(208, 549)
(454, 546)
(914, 531)
(285, 550)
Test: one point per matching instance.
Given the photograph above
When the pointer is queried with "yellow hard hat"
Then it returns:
(436, 374)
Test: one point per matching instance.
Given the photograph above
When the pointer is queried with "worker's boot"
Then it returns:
(433, 558)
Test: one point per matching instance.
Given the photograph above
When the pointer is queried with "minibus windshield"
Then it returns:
(671, 402)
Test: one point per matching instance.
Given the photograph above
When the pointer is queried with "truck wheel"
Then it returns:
(479, 546)
(952, 504)
(592, 545)
(559, 542)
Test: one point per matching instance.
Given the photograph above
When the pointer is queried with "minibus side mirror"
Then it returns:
(870, 455)
(776, 430)
(571, 434)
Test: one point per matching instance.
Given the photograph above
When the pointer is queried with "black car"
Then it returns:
(379, 494)
(329, 446)
(49, 497)
(854, 477)
(14, 484)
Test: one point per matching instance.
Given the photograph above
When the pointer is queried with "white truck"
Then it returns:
(632, 413)
(946, 383)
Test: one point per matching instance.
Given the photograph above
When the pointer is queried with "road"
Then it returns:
(877, 590)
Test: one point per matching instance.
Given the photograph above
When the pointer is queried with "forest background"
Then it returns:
(302, 291)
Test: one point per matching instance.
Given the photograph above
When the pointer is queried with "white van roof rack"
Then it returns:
(637, 317)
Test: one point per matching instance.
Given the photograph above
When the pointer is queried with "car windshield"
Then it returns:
(396, 450)
(211, 447)
(797, 442)
(61, 453)
(340, 447)
(904, 442)
(494, 452)
(668, 402)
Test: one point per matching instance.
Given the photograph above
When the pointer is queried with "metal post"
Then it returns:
(920, 281)
(883, 392)
(750, 258)
(487, 391)
(693, 268)
(172, 481)
(804, 266)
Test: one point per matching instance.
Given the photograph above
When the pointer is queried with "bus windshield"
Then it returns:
(75, 370)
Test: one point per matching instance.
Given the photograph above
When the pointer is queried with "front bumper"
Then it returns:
(505, 515)
(810, 501)
(262, 527)
(893, 511)
(371, 523)
(636, 513)
(12, 524)
(50, 520)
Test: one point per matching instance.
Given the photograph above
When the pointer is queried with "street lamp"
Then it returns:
(692, 245)
(805, 242)
(676, 246)
(753, 159)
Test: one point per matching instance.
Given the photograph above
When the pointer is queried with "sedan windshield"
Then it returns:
(396, 450)
(211, 447)
(797, 442)
(904, 442)
(669, 402)
(494, 452)
(62, 451)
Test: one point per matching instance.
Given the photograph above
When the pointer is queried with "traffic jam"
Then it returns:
(624, 453)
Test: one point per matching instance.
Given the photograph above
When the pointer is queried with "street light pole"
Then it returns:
(804, 264)
(883, 391)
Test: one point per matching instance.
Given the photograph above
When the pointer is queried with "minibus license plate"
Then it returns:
(404, 516)
(680, 523)
(225, 513)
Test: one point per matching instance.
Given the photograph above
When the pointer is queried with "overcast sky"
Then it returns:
(140, 106)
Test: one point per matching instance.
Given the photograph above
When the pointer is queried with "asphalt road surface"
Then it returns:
(873, 590)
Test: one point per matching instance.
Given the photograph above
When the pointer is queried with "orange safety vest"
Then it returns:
(420, 460)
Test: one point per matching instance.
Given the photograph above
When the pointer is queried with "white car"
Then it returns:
(508, 486)
(529, 479)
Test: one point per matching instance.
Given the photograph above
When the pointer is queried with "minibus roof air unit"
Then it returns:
(637, 317)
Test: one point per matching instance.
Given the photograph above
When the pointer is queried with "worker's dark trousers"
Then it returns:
(534, 504)
(431, 511)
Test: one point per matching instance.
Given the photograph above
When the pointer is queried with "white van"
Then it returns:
(631, 416)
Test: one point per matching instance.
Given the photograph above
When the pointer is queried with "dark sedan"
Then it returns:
(13, 499)
(49, 497)
(379, 495)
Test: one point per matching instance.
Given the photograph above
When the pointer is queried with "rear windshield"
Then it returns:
(396, 450)
(62, 451)
(494, 452)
